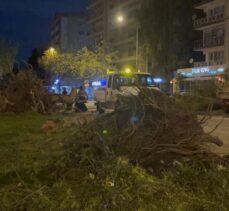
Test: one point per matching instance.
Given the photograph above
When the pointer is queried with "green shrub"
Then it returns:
(196, 102)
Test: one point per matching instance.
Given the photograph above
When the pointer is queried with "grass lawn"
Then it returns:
(38, 173)
(24, 147)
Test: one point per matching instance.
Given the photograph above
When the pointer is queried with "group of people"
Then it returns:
(80, 99)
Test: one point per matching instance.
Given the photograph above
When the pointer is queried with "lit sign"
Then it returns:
(200, 70)
(99, 83)
(203, 71)
(96, 83)
(187, 74)
(157, 80)
(57, 81)
(220, 70)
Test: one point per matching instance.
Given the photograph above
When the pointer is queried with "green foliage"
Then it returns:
(194, 102)
(84, 63)
(168, 31)
(7, 57)
(202, 95)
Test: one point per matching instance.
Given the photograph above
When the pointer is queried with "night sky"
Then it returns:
(27, 22)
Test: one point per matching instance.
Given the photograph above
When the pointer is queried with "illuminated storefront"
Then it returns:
(185, 78)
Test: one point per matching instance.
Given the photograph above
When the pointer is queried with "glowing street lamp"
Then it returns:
(120, 19)
(51, 51)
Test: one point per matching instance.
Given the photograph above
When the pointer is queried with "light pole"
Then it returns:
(121, 19)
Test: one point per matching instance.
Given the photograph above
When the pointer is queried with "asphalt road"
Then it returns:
(222, 132)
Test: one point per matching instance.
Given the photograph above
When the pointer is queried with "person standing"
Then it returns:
(81, 99)
(64, 92)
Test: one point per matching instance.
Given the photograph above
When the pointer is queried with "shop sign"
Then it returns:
(203, 71)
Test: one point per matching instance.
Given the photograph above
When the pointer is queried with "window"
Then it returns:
(116, 84)
(132, 80)
(211, 56)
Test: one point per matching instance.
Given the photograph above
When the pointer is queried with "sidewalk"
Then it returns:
(222, 132)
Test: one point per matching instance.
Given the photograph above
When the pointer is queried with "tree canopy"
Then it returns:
(168, 32)
(85, 63)
(7, 57)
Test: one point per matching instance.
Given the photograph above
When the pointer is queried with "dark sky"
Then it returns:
(27, 22)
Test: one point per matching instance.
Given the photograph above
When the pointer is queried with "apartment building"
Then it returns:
(69, 31)
(214, 26)
(116, 22)
(97, 14)
(214, 43)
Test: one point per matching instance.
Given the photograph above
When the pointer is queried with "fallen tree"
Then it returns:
(25, 92)
(149, 129)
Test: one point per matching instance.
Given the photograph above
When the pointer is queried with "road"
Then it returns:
(222, 132)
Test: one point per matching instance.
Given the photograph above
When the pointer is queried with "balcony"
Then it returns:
(96, 18)
(208, 43)
(200, 64)
(93, 3)
(208, 64)
(208, 21)
(203, 2)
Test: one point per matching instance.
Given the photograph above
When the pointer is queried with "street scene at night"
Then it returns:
(112, 105)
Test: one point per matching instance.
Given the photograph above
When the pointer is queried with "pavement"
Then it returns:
(222, 132)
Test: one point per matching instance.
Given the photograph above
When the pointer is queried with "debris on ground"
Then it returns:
(25, 92)
(150, 129)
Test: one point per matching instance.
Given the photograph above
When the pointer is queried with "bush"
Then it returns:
(197, 103)
(25, 92)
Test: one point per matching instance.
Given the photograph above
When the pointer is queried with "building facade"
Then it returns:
(116, 23)
(215, 28)
(69, 31)
(214, 43)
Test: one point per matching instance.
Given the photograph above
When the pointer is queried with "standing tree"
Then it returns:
(84, 63)
(7, 57)
(168, 32)
(33, 60)
(37, 53)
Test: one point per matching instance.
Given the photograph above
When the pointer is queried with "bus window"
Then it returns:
(116, 82)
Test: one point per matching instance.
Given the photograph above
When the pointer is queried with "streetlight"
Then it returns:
(120, 19)
(52, 50)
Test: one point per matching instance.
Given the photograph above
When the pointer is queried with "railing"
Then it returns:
(93, 3)
(200, 64)
(207, 21)
(218, 62)
(209, 43)
(207, 64)
(204, 2)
